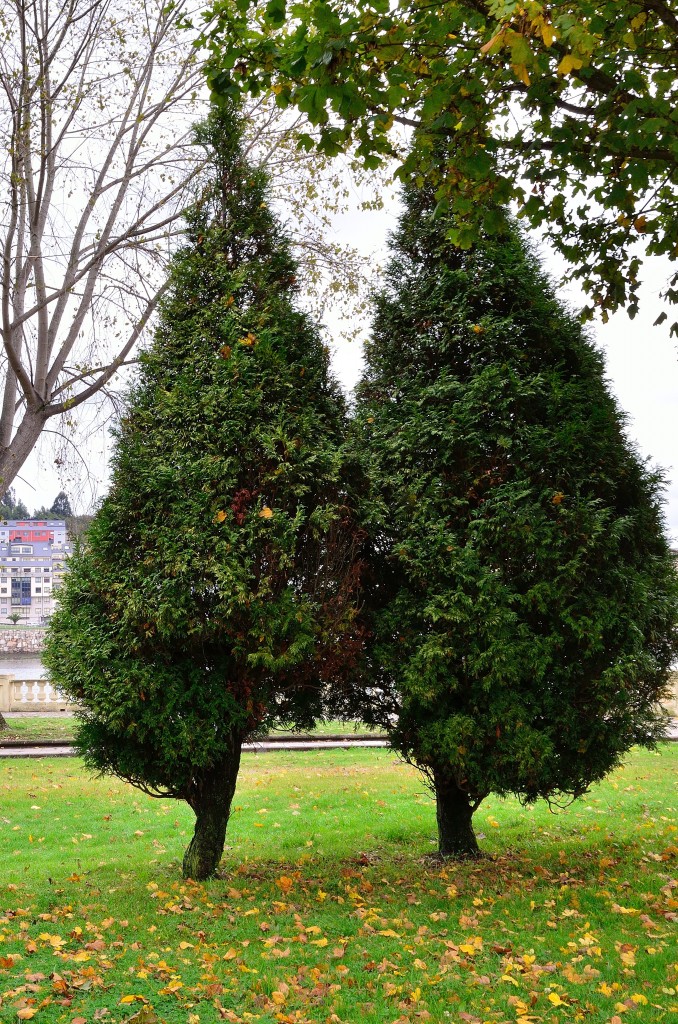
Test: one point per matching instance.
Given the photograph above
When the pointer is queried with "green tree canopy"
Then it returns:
(523, 598)
(569, 109)
(61, 506)
(13, 507)
(214, 595)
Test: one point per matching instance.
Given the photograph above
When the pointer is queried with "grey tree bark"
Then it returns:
(211, 801)
(454, 813)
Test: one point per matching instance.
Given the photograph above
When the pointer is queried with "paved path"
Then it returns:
(15, 749)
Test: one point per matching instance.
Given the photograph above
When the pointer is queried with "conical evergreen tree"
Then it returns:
(523, 598)
(61, 506)
(215, 594)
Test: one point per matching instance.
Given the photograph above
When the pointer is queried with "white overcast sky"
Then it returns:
(642, 367)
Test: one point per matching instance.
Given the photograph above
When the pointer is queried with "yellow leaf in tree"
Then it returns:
(225, 352)
(494, 43)
(520, 71)
(547, 34)
(569, 63)
(266, 512)
(220, 517)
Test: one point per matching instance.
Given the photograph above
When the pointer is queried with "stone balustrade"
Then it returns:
(671, 704)
(30, 695)
(40, 695)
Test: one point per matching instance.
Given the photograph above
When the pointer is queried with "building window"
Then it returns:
(21, 592)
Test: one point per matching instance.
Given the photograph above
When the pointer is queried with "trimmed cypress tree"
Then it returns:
(523, 599)
(214, 596)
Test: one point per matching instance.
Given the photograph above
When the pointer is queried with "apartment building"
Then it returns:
(33, 555)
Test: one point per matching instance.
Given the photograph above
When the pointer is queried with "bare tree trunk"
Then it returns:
(454, 812)
(3, 723)
(212, 805)
(20, 447)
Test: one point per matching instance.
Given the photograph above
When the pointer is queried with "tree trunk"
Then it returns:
(456, 837)
(3, 723)
(212, 805)
(22, 444)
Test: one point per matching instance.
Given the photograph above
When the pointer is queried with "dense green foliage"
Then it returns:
(569, 109)
(12, 507)
(214, 596)
(523, 595)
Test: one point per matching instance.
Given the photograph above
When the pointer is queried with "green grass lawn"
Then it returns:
(61, 727)
(331, 908)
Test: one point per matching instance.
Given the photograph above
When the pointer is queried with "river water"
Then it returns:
(22, 666)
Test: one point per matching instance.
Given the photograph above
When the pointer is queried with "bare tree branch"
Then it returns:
(97, 162)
